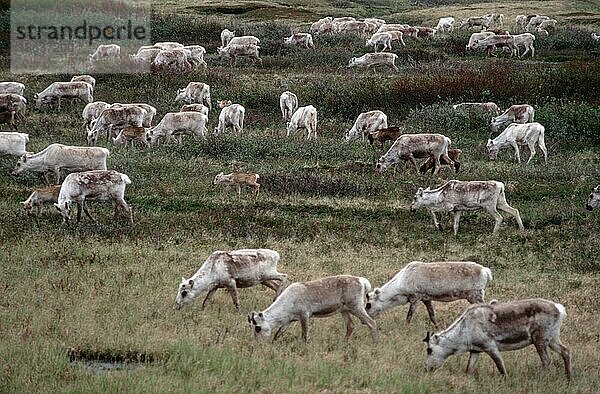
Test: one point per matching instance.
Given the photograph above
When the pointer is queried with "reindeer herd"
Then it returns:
(489, 328)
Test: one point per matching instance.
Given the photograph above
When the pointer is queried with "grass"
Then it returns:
(105, 291)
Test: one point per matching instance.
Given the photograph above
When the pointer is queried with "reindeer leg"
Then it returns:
(209, 296)
(473, 358)
(349, 324)
(412, 159)
(517, 153)
(564, 352)
(79, 211)
(435, 221)
(280, 331)
(456, 221)
(304, 324)
(234, 294)
(367, 320)
(411, 310)
(86, 211)
(495, 355)
(430, 311)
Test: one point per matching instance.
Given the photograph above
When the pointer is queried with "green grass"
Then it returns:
(106, 290)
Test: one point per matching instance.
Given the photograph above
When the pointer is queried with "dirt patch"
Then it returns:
(271, 13)
(256, 11)
(228, 9)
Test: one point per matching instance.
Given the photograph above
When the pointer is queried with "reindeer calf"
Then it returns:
(238, 179)
(383, 135)
(129, 134)
(39, 198)
(429, 164)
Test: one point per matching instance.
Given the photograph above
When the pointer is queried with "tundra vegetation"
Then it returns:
(105, 290)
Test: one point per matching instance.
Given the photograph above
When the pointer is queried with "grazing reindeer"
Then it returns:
(496, 327)
(238, 179)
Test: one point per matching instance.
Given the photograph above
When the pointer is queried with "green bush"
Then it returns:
(318, 184)
(187, 29)
(442, 118)
(569, 121)
(228, 148)
(569, 38)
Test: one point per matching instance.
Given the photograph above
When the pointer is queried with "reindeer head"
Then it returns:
(65, 210)
(219, 178)
(20, 166)
(594, 201)
(27, 206)
(435, 353)
(492, 149)
(382, 164)
(418, 200)
(180, 95)
(184, 293)
(259, 325)
(376, 304)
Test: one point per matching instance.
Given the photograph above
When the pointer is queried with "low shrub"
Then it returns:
(315, 183)
(187, 29)
(567, 38)
(228, 148)
(569, 121)
(442, 118)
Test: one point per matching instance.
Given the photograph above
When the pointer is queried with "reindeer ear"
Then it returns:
(427, 337)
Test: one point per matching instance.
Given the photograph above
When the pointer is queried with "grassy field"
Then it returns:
(106, 291)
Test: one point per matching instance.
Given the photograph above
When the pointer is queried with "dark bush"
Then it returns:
(568, 38)
(318, 184)
(227, 148)
(568, 121)
(187, 29)
(498, 80)
(442, 118)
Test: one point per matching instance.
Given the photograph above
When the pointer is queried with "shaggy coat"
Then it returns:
(343, 294)
(497, 327)
(427, 282)
(232, 270)
(458, 196)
